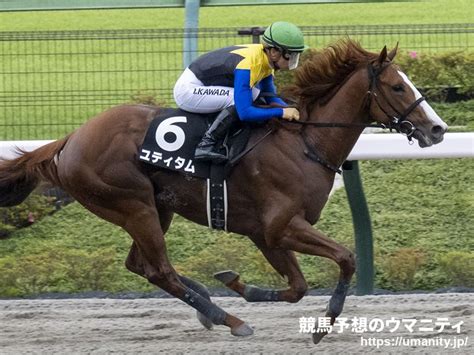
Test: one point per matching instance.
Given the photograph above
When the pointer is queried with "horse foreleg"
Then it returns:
(300, 236)
(285, 263)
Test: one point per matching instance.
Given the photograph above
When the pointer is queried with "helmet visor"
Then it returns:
(293, 61)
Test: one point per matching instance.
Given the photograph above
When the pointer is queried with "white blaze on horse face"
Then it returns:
(429, 112)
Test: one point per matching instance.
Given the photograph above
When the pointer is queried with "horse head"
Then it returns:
(322, 83)
(396, 102)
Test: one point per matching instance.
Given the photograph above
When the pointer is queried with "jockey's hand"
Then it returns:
(291, 113)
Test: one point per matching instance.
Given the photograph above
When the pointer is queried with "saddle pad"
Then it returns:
(171, 140)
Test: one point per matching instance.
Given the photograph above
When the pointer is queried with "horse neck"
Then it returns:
(347, 106)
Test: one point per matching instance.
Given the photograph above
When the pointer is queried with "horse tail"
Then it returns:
(20, 176)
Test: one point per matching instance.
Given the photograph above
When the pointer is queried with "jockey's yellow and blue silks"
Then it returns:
(241, 67)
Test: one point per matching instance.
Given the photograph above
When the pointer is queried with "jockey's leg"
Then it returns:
(207, 149)
(192, 95)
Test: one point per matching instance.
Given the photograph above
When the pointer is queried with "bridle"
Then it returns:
(397, 121)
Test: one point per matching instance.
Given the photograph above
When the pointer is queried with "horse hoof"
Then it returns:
(226, 277)
(242, 330)
(206, 322)
(318, 336)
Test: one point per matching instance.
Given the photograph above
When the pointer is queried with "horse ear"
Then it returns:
(383, 55)
(393, 53)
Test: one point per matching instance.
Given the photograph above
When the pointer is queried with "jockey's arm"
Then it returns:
(267, 85)
(243, 100)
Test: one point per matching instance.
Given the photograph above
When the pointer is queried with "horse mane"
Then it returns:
(323, 72)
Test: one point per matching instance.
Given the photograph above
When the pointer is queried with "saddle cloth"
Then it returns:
(170, 142)
(172, 138)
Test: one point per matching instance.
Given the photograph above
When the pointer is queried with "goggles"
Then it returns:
(293, 58)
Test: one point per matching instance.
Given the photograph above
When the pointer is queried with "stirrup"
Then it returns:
(203, 155)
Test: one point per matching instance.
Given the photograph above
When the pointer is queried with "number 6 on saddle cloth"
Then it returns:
(170, 142)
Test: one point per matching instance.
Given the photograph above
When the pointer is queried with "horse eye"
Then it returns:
(398, 88)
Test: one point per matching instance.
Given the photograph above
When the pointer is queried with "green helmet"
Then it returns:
(285, 36)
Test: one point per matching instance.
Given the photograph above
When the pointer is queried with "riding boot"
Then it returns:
(207, 149)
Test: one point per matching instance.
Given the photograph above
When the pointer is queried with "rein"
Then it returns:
(340, 125)
(312, 154)
(398, 121)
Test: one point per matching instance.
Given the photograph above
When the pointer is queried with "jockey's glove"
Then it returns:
(290, 114)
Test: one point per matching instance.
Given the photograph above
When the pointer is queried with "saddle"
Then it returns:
(170, 142)
(173, 135)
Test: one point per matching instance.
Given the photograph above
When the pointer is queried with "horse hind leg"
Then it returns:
(166, 216)
(285, 263)
(147, 233)
(135, 264)
(127, 201)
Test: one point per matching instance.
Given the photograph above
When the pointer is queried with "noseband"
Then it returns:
(398, 121)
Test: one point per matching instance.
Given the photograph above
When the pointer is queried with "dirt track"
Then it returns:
(169, 326)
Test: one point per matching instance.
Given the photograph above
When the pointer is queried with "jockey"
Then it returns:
(230, 79)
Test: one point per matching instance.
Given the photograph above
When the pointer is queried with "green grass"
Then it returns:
(425, 206)
(457, 114)
(435, 11)
(58, 84)
(47, 96)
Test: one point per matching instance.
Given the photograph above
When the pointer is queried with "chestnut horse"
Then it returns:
(275, 194)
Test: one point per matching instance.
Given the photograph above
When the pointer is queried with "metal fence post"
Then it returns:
(362, 228)
(255, 32)
(191, 24)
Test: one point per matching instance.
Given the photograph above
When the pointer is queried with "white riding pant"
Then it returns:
(192, 95)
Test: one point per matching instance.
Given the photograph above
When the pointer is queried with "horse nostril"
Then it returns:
(437, 131)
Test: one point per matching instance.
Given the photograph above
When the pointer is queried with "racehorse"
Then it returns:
(276, 192)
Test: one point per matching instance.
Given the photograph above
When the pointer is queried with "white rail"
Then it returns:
(368, 147)
(395, 146)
